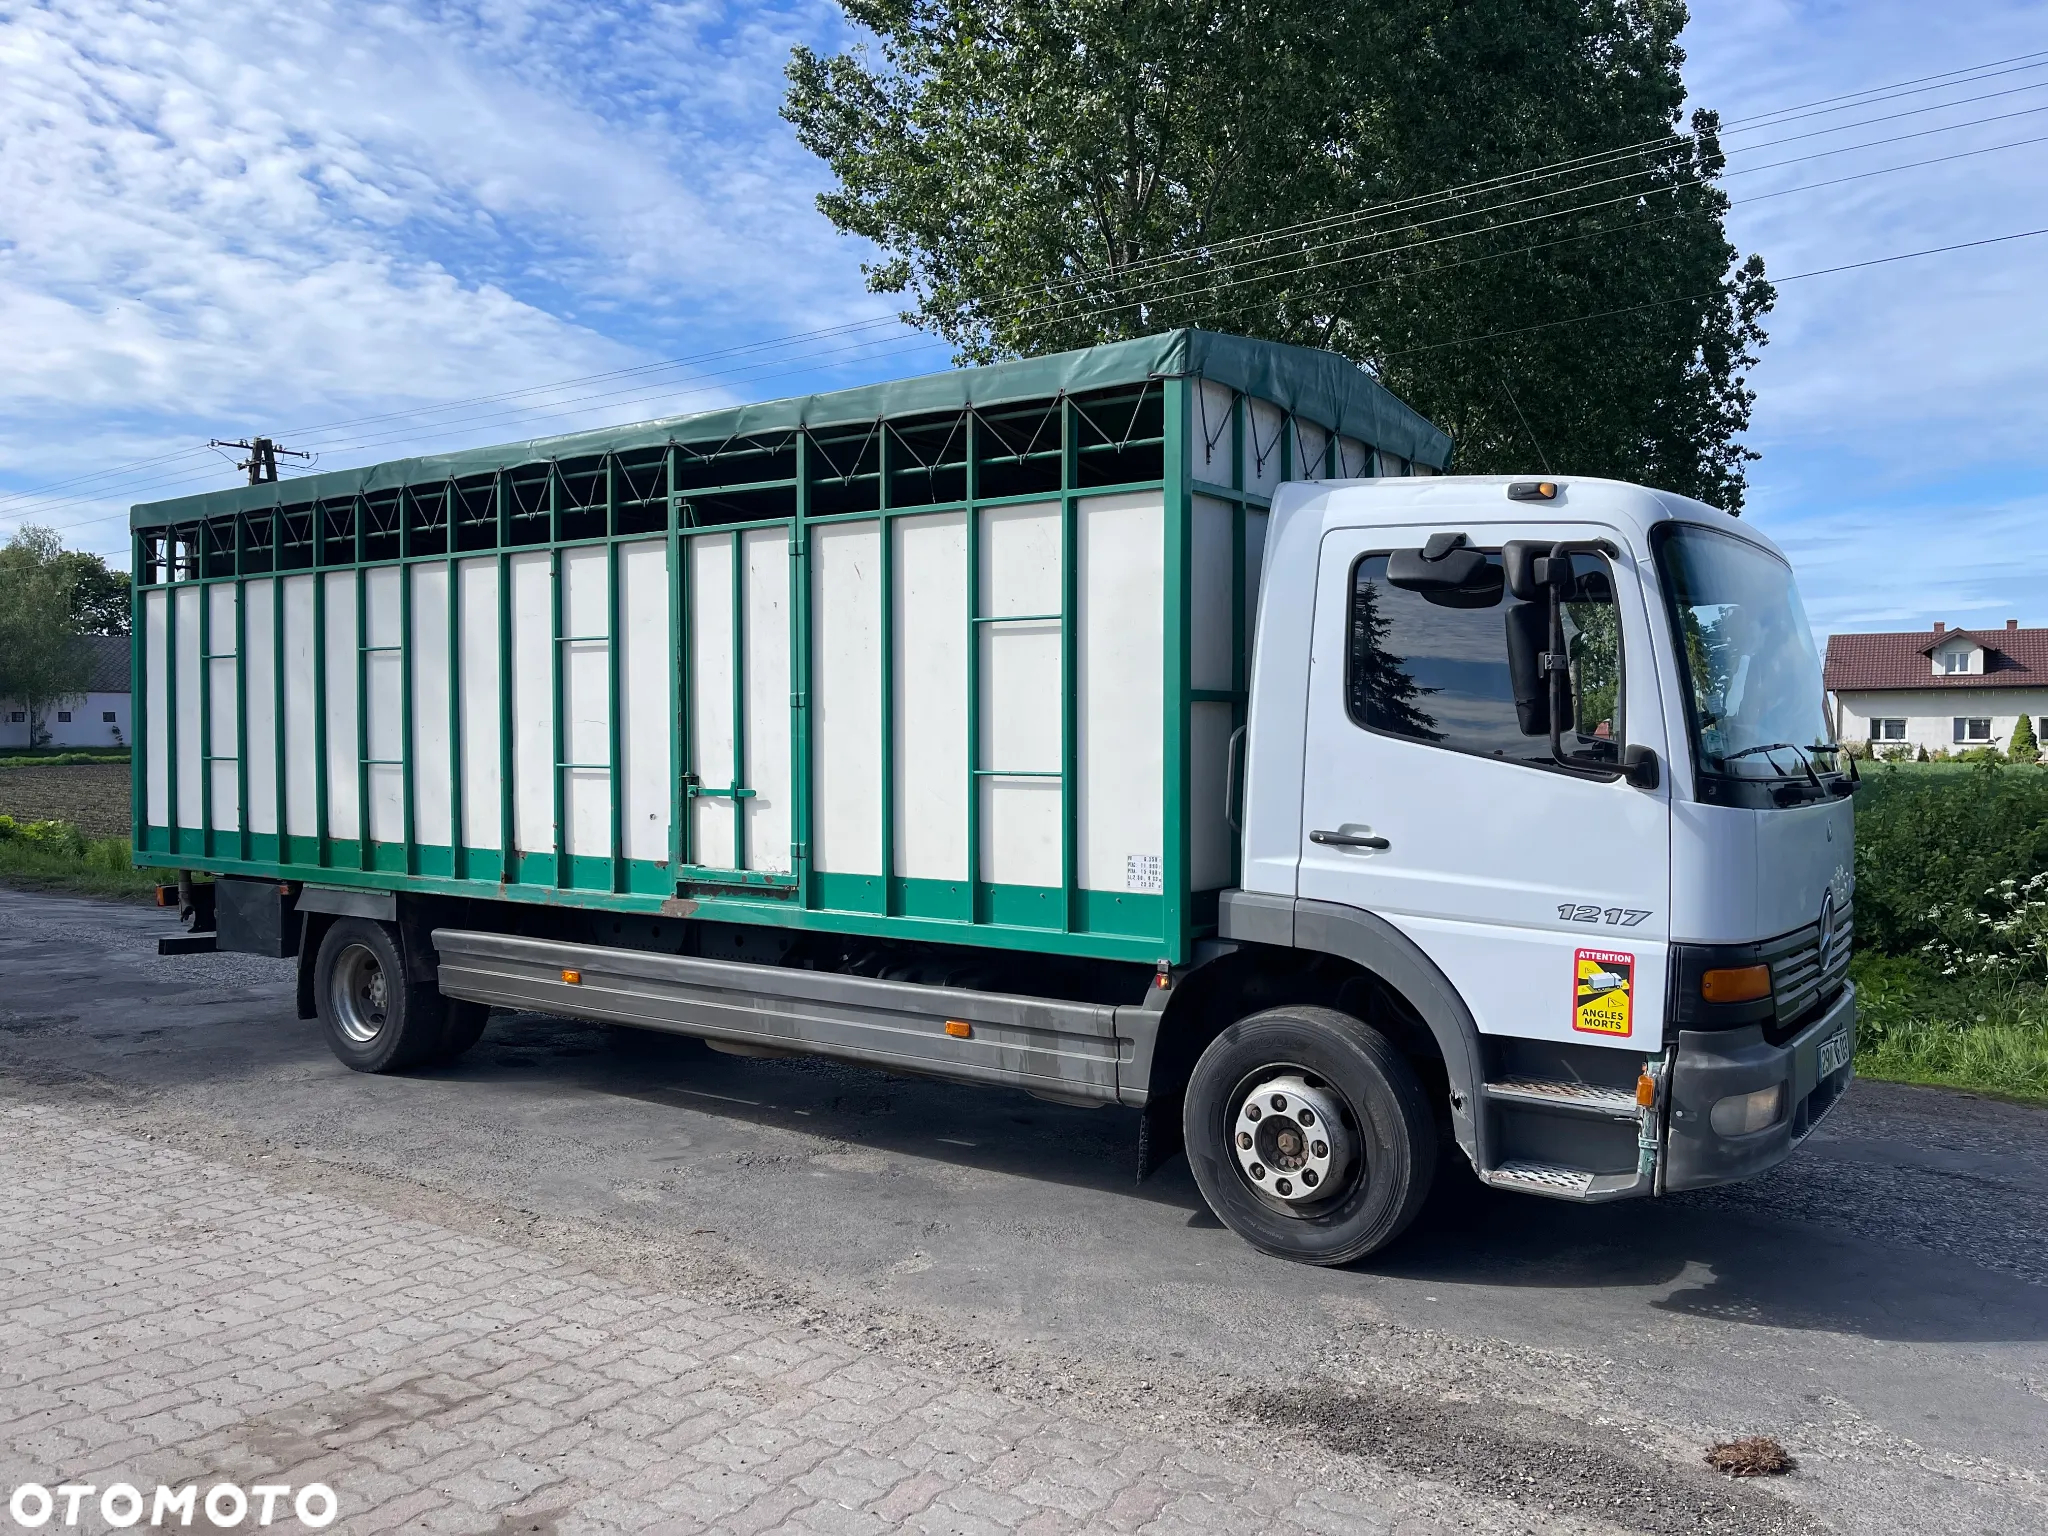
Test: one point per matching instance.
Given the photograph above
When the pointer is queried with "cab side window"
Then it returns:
(1433, 666)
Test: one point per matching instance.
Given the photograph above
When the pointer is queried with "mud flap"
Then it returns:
(1159, 1135)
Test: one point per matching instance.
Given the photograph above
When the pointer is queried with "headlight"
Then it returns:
(1741, 1113)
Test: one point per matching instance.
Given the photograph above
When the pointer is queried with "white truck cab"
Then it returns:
(1560, 747)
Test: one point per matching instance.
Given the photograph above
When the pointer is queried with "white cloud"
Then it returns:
(229, 216)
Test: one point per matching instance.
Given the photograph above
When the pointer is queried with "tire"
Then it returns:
(1381, 1160)
(377, 1018)
(462, 1026)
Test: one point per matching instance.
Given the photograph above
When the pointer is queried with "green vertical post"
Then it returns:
(508, 853)
(408, 764)
(322, 823)
(739, 700)
(800, 678)
(557, 734)
(973, 575)
(612, 699)
(886, 620)
(360, 580)
(277, 720)
(678, 703)
(171, 592)
(1179, 510)
(205, 703)
(1070, 803)
(138, 683)
(241, 697)
(458, 853)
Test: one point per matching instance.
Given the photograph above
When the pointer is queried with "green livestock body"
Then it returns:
(956, 659)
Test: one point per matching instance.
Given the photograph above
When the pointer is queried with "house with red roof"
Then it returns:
(1942, 689)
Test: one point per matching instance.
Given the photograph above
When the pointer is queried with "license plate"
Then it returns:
(1834, 1053)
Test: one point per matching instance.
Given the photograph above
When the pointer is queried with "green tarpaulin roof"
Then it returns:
(1318, 386)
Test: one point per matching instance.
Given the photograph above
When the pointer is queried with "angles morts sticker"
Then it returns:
(1603, 992)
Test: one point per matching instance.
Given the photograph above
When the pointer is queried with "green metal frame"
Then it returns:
(648, 492)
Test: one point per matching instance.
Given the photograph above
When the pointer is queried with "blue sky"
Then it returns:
(376, 210)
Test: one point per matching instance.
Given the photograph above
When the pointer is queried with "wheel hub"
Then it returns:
(362, 1000)
(1290, 1139)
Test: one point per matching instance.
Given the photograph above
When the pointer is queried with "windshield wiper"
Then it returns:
(1768, 747)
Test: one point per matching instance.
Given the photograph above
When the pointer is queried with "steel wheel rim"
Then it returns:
(1345, 1171)
(360, 994)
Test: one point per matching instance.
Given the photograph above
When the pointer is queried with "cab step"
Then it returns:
(1541, 1178)
(1572, 1097)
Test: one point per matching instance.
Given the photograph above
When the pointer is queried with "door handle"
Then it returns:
(1348, 840)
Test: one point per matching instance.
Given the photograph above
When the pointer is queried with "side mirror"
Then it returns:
(1528, 625)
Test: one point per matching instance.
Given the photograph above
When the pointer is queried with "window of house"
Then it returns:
(1968, 729)
(107, 715)
(63, 717)
(1955, 661)
(1434, 667)
(17, 717)
(1887, 730)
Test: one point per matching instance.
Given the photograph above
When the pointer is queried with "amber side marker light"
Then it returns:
(1646, 1090)
(959, 1029)
(574, 978)
(1533, 490)
(1743, 984)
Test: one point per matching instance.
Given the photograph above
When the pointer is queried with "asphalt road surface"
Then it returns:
(1879, 1304)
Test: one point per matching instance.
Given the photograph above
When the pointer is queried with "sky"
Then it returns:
(399, 227)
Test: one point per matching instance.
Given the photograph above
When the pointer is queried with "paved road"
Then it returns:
(1880, 1305)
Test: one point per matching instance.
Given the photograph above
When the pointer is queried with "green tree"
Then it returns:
(100, 598)
(2023, 748)
(1040, 174)
(40, 658)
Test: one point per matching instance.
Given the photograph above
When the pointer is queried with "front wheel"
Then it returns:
(1309, 1135)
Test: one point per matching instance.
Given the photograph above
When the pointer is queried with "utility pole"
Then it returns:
(262, 461)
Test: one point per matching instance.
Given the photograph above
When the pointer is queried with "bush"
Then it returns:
(1930, 846)
(55, 856)
(61, 759)
(55, 836)
(2023, 748)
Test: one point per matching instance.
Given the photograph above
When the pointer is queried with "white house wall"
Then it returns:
(1930, 715)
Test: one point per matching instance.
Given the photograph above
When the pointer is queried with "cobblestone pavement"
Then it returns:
(168, 1320)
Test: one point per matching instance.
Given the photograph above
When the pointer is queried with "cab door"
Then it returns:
(1542, 894)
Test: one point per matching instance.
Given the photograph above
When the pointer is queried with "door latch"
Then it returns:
(1348, 840)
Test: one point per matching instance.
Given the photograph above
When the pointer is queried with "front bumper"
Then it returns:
(1712, 1065)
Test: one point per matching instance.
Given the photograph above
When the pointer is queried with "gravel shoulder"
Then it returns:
(1880, 1304)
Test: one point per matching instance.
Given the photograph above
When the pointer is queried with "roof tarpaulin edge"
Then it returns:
(1320, 386)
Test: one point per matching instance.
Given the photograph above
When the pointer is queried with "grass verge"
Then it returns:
(43, 757)
(1986, 1034)
(53, 856)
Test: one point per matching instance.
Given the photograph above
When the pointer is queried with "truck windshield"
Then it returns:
(1752, 676)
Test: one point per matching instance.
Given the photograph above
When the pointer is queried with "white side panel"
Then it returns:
(643, 685)
(259, 645)
(1020, 696)
(191, 736)
(586, 701)
(482, 777)
(767, 685)
(1355, 461)
(384, 677)
(1393, 464)
(846, 698)
(338, 701)
(1213, 569)
(1311, 446)
(1209, 832)
(710, 717)
(301, 702)
(533, 707)
(931, 696)
(156, 609)
(223, 732)
(1213, 432)
(1265, 428)
(427, 651)
(1122, 680)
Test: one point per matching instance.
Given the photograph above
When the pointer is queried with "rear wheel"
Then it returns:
(1309, 1135)
(377, 1018)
